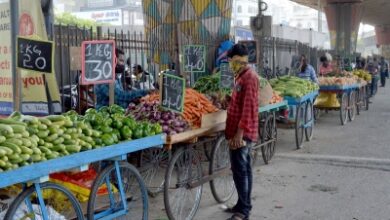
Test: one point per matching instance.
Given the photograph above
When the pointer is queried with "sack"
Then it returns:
(265, 92)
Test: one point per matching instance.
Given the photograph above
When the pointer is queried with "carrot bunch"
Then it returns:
(153, 97)
(196, 105)
(276, 98)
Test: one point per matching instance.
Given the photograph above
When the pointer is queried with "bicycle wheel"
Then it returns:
(105, 198)
(60, 204)
(181, 201)
(309, 118)
(299, 124)
(344, 109)
(222, 187)
(352, 106)
(269, 133)
(156, 161)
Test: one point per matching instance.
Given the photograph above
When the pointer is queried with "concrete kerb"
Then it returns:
(345, 161)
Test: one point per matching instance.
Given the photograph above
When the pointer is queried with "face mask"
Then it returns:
(119, 68)
(235, 66)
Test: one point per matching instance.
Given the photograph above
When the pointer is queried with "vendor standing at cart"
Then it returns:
(242, 128)
(306, 71)
(122, 97)
(372, 68)
(326, 66)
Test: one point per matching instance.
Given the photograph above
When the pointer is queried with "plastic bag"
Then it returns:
(265, 92)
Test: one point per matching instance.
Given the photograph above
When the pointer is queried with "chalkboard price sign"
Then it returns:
(227, 77)
(194, 58)
(172, 92)
(252, 50)
(98, 62)
(35, 55)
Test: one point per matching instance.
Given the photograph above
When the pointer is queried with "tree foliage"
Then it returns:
(67, 18)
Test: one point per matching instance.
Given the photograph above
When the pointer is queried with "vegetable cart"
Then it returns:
(184, 175)
(304, 117)
(126, 193)
(347, 98)
(267, 131)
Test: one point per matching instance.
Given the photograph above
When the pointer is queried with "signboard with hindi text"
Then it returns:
(194, 58)
(227, 76)
(172, 92)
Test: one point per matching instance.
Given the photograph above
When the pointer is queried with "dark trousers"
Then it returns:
(383, 79)
(242, 176)
(374, 85)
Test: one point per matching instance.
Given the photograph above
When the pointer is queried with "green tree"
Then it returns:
(67, 18)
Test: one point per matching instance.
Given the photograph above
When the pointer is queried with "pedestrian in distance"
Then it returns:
(242, 128)
(384, 71)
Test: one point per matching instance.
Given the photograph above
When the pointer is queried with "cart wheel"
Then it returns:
(344, 109)
(309, 118)
(222, 187)
(352, 106)
(105, 198)
(59, 204)
(358, 100)
(181, 201)
(156, 161)
(207, 151)
(299, 125)
(269, 133)
(317, 114)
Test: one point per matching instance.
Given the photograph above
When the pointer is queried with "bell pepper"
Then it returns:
(107, 139)
(126, 133)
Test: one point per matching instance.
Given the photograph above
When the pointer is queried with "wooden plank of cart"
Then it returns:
(347, 96)
(267, 131)
(35, 179)
(304, 118)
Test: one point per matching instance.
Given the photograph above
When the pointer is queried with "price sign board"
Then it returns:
(227, 76)
(194, 58)
(252, 50)
(172, 92)
(35, 55)
(98, 62)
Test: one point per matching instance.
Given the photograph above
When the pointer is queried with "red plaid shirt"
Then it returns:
(243, 108)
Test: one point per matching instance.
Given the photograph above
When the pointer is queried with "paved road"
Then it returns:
(342, 174)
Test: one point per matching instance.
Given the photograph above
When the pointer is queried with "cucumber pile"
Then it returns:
(27, 139)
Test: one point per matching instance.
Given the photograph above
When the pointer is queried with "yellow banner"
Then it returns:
(6, 99)
(34, 100)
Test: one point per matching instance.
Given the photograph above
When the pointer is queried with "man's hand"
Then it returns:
(237, 140)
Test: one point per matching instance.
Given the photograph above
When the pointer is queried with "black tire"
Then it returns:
(269, 132)
(222, 187)
(184, 168)
(154, 163)
(55, 191)
(309, 118)
(344, 108)
(299, 123)
(352, 106)
(134, 189)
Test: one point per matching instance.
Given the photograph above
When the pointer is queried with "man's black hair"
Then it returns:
(139, 68)
(323, 58)
(238, 49)
(119, 51)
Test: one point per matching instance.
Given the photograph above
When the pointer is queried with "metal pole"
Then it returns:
(14, 6)
(319, 16)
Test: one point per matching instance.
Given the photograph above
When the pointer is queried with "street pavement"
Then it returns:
(342, 174)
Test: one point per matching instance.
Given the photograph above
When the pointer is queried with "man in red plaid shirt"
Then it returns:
(242, 128)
